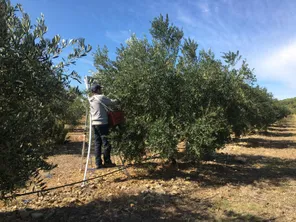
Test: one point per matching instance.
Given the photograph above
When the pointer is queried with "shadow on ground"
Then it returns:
(276, 134)
(280, 129)
(226, 169)
(69, 148)
(147, 206)
(266, 143)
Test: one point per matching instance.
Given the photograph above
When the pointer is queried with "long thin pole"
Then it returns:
(84, 139)
(86, 80)
(88, 151)
(125, 170)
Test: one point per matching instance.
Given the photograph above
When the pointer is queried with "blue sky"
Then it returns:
(262, 30)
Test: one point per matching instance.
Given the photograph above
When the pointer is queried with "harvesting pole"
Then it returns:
(84, 137)
(87, 86)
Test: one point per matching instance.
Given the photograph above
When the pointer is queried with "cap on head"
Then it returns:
(95, 88)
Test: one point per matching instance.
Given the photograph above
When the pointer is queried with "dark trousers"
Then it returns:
(101, 133)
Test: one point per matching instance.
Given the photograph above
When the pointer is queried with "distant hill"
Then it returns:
(290, 104)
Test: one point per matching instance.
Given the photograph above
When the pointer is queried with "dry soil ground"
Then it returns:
(252, 179)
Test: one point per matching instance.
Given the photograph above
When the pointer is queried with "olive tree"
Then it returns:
(34, 92)
(170, 92)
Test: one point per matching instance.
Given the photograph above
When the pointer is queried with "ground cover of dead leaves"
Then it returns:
(251, 179)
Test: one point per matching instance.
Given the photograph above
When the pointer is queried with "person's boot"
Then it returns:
(99, 164)
(109, 163)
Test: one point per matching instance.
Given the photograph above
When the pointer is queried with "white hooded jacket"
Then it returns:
(97, 110)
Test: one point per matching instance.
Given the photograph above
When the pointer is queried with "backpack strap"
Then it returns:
(108, 109)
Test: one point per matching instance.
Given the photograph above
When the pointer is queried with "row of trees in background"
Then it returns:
(35, 94)
(170, 92)
(290, 104)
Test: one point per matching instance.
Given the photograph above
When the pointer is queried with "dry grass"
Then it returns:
(253, 179)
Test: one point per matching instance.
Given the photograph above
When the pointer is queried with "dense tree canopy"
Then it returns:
(290, 104)
(35, 93)
(171, 92)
